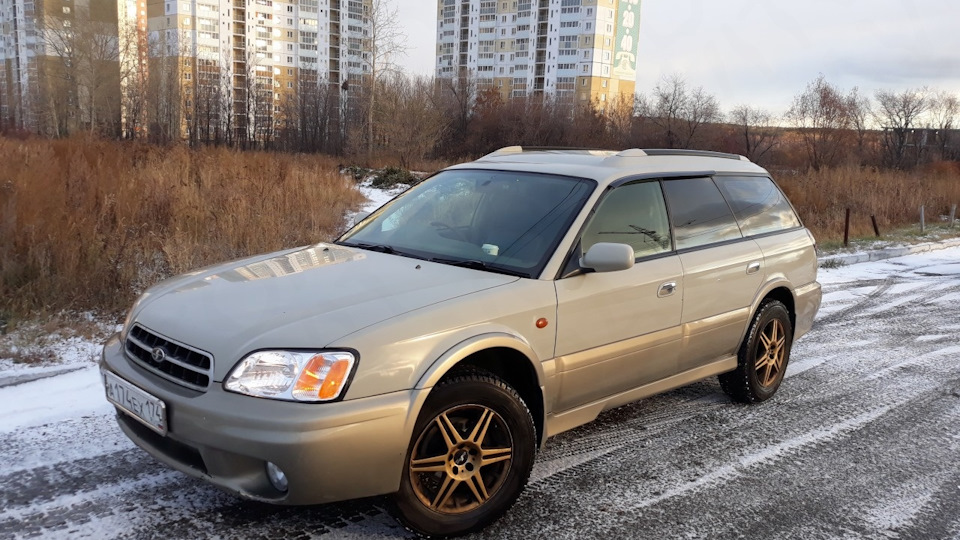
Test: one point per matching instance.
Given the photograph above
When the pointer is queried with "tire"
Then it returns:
(469, 457)
(763, 355)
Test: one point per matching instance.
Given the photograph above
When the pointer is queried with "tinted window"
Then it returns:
(699, 213)
(759, 205)
(633, 214)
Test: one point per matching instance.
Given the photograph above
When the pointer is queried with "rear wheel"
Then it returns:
(470, 456)
(763, 356)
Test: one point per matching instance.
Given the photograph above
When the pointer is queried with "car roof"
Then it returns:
(606, 166)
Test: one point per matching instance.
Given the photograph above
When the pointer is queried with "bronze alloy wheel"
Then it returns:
(461, 459)
(470, 455)
(763, 356)
(770, 353)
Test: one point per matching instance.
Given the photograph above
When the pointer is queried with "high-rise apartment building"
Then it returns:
(586, 49)
(59, 67)
(158, 65)
(256, 53)
(18, 62)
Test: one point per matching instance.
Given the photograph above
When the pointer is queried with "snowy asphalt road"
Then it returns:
(862, 441)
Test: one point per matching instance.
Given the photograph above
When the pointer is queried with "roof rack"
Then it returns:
(629, 153)
(683, 152)
(521, 149)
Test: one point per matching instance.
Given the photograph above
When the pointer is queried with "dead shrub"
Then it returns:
(88, 224)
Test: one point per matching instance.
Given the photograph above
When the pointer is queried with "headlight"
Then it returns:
(293, 375)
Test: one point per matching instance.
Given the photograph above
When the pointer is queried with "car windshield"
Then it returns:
(500, 221)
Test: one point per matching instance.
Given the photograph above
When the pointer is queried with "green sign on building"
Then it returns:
(627, 37)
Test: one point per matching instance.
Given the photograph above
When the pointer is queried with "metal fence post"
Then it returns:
(846, 230)
(923, 225)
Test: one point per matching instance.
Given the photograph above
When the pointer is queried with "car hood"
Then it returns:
(302, 298)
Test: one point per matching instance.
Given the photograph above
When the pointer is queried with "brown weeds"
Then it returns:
(88, 224)
(893, 197)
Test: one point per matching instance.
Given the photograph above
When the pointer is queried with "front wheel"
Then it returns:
(470, 456)
(763, 356)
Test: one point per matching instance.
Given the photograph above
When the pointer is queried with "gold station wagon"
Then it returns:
(434, 347)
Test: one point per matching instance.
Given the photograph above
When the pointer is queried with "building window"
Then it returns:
(289, 84)
(66, 9)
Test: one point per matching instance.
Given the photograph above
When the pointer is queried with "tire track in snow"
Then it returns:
(42, 484)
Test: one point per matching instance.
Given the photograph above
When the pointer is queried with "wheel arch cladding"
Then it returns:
(785, 297)
(516, 370)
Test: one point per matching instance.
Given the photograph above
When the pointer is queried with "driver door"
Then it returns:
(620, 330)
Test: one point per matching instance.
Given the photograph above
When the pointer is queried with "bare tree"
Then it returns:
(164, 88)
(860, 111)
(385, 43)
(412, 120)
(459, 98)
(700, 109)
(756, 131)
(620, 114)
(83, 84)
(942, 117)
(898, 114)
(680, 113)
(821, 115)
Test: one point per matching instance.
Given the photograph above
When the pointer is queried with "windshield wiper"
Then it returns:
(382, 248)
(479, 265)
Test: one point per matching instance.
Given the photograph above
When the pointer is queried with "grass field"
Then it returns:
(85, 225)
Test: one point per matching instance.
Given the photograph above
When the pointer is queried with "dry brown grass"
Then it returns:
(87, 224)
(894, 197)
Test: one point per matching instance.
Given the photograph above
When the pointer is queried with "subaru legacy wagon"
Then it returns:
(433, 348)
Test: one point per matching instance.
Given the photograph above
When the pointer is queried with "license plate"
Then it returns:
(149, 410)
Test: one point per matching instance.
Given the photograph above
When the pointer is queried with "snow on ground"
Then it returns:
(75, 475)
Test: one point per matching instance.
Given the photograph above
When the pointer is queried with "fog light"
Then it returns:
(277, 477)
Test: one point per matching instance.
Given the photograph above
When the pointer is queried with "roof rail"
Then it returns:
(507, 150)
(683, 152)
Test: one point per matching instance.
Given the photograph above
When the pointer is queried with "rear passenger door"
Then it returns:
(722, 271)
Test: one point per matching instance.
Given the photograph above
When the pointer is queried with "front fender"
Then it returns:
(473, 345)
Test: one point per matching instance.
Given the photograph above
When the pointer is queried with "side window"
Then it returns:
(632, 214)
(699, 213)
(758, 203)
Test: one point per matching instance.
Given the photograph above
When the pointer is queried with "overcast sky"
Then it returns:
(763, 52)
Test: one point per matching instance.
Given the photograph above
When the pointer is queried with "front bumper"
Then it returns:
(328, 451)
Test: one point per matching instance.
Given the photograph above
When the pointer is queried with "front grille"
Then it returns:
(174, 361)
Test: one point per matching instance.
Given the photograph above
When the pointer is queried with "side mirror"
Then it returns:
(607, 257)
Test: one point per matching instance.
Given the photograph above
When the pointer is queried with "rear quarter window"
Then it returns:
(699, 213)
(759, 205)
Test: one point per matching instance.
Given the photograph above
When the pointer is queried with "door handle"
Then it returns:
(753, 267)
(666, 289)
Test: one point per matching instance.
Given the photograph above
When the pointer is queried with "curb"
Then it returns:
(888, 253)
